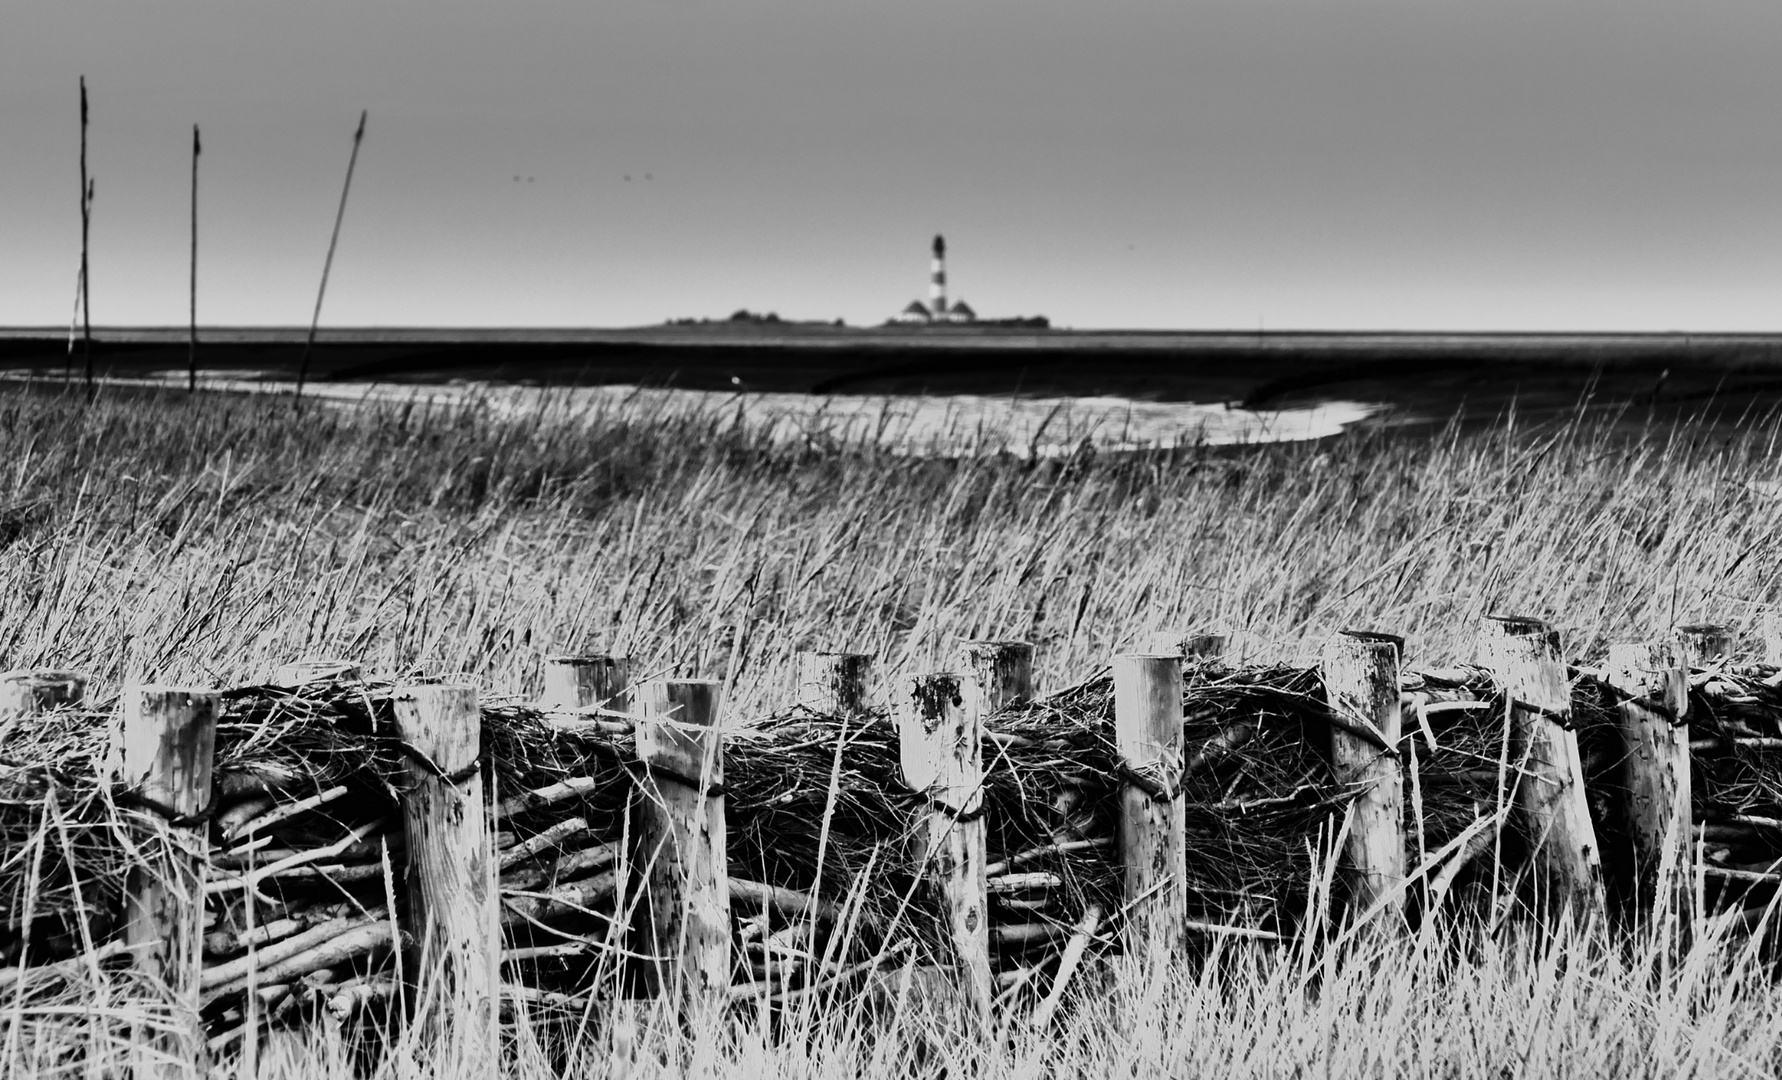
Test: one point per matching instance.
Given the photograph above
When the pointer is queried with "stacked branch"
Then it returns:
(304, 904)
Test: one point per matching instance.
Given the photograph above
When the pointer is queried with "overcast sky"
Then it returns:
(1409, 164)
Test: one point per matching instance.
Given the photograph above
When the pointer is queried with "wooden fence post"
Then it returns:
(1550, 795)
(1658, 810)
(1703, 643)
(1360, 673)
(29, 692)
(1001, 672)
(941, 731)
(1201, 645)
(681, 844)
(304, 672)
(575, 682)
(835, 683)
(167, 748)
(1772, 638)
(1153, 821)
(453, 901)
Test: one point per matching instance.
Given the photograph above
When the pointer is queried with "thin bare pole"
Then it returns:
(192, 340)
(86, 219)
(74, 323)
(303, 368)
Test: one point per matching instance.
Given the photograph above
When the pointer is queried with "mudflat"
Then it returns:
(1718, 378)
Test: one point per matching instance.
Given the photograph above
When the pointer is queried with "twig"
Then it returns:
(1062, 848)
(273, 817)
(1067, 965)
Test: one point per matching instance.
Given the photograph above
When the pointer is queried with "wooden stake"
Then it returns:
(1153, 822)
(167, 748)
(1772, 638)
(32, 691)
(1360, 673)
(1550, 797)
(1655, 724)
(192, 338)
(301, 673)
(1000, 671)
(1704, 643)
(941, 730)
(86, 221)
(24, 694)
(1199, 645)
(575, 682)
(453, 906)
(681, 844)
(309, 343)
(835, 683)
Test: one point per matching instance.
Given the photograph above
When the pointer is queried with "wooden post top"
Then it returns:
(994, 646)
(938, 713)
(573, 682)
(934, 693)
(314, 670)
(34, 690)
(835, 659)
(1195, 645)
(1520, 626)
(1395, 640)
(838, 683)
(1632, 662)
(1148, 710)
(1703, 643)
(1001, 672)
(586, 660)
(45, 677)
(680, 701)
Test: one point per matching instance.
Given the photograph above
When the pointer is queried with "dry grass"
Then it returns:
(156, 538)
(209, 541)
(1448, 1006)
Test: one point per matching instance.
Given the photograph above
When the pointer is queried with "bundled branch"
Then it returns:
(307, 864)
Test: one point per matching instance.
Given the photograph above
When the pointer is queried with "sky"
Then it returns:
(1193, 164)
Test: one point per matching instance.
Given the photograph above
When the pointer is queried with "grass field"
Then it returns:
(152, 537)
(171, 539)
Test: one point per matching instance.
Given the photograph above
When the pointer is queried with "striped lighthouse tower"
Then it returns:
(937, 279)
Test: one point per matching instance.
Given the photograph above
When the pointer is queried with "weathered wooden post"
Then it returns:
(680, 834)
(167, 747)
(1360, 672)
(35, 690)
(301, 673)
(941, 730)
(1655, 725)
(1702, 644)
(32, 691)
(453, 902)
(597, 679)
(1001, 672)
(835, 683)
(1550, 798)
(1201, 645)
(1153, 822)
(1772, 638)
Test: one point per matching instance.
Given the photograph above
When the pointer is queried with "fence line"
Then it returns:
(677, 858)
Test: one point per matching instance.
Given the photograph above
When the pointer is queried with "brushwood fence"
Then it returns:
(327, 848)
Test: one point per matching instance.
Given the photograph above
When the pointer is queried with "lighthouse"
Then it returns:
(937, 279)
(937, 310)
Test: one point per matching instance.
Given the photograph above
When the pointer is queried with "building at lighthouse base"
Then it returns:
(918, 312)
